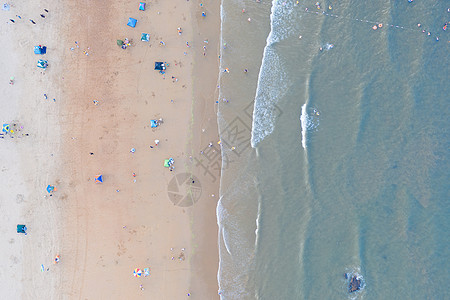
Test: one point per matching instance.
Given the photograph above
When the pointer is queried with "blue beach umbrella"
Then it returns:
(132, 22)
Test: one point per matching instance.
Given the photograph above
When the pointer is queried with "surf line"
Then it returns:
(376, 24)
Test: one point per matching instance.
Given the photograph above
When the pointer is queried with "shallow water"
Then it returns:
(334, 160)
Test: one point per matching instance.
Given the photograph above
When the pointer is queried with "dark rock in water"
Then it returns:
(354, 285)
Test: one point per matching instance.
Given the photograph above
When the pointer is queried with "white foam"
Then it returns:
(272, 85)
(304, 125)
(272, 80)
(309, 120)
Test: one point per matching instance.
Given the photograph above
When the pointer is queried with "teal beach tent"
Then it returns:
(145, 37)
(42, 64)
(22, 229)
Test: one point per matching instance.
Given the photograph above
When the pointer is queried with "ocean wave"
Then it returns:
(309, 120)
(272, 81)
(272, 85)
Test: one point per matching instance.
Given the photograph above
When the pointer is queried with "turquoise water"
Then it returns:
(335, 150)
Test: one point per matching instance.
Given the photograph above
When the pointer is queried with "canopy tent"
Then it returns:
(153, 123)
(21, 229)
(159, 65)
(5, 128)
(42, 64)
(50, 188)
(137, 272)
(132, 22)
(145, 37)
(98, 179)
(146, 272)
(40, 49)
(168, 162)
(142, 6)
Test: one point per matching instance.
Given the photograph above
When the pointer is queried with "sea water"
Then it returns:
(334, 149)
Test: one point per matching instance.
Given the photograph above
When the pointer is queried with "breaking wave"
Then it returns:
(309, 120)
(272, 81)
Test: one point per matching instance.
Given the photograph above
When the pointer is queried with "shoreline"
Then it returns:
(206, 261)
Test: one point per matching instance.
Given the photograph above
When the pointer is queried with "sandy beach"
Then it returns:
(100, 100)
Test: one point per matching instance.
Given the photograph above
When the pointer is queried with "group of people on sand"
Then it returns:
(20, 18)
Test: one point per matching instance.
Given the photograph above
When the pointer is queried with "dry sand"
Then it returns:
(102, 234)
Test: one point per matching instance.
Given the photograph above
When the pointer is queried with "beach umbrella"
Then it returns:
(50, 188)
(119, 42)
(132, 22)
(137, 272)
(5, 128)
(141, 5)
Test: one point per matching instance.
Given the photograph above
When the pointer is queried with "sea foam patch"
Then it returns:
(309, 120)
